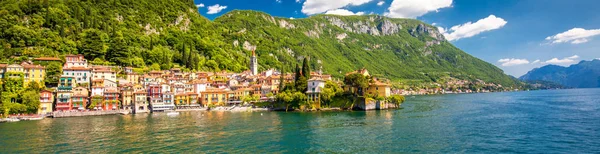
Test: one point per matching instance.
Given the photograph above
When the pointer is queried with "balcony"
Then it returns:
(63, 97)
(65, 88)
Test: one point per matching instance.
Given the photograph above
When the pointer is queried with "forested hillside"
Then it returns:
(159, 34)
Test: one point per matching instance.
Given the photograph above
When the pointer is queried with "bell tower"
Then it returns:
(254, 63)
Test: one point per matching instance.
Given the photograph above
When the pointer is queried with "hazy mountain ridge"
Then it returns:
(585, 74)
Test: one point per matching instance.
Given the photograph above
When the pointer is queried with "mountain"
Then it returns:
(158, 34)
(585, 74)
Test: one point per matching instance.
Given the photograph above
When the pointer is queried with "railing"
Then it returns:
(65, 88)
(63, 97)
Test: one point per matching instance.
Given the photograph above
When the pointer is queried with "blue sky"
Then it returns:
(515, 35)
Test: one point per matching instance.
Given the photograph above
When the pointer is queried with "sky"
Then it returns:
(515, 35)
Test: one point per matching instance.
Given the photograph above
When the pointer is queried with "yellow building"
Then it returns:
(46, 100)
(133, 78)
(35, 73)
(215, 96)
(127, 97)
(181, 99)
(378, 88)
(30, 72)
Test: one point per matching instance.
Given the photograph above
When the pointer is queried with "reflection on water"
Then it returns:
(564, 121)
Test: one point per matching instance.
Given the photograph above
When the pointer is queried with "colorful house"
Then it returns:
(214, 96)
(127, 97)
(140, 100)
(80, 97)
(33, 73)
(46, 101)
(64, 93)
(111, 99)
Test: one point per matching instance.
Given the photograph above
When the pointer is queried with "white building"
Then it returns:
(315, 87)
(75, 61)
(81, 74)
(104, 74)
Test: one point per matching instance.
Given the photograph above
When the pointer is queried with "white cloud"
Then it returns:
(343, 12)
(278, 1)
(535, 62)
(200, 5)
(298, 1)
(597, 58)
(574, 36)
(513, 62)
(311, 7)
(380, 3)
(415, 8)
(566, 60)
(292, 18)
(469, 29)
(214, 9)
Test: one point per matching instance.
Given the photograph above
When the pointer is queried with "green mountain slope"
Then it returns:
(158, 33)
(394, 48)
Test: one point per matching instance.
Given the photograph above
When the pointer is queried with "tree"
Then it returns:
(396, 99)
(297, 73)
(306, 68)
(31, 99)
(12, 108)
(93, 43)
(330, 90)
(53, 73)
(357, 81)
(301, 84)
(117, 52)
(155, 67)
(13, 84)
(34, 86)
(281, 79)
(285, 99)
(255, 97)
(269, 96)
(95, 101)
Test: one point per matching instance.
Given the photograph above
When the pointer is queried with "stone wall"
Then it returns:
(58, 114)
(364, 104)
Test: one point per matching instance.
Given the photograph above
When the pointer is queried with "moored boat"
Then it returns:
(172, 113)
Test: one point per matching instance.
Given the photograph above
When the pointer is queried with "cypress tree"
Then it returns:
(298, 73)
(281, 79)
(305, 68)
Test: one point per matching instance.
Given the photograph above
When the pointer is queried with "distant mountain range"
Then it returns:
(585, 74)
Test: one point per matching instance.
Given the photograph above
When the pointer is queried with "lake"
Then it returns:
(552, 121)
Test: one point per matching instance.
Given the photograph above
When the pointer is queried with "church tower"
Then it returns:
(253, 63)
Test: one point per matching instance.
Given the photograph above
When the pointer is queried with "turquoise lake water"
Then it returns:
(554, 121)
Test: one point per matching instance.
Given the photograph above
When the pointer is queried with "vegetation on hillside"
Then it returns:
(158, 34)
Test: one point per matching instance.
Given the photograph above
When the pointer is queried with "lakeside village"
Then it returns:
(84, 89)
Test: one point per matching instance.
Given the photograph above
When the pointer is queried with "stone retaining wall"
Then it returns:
(86, 113)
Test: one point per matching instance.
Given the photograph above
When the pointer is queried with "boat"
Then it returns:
(11, 120)
(172, 113)
(33, 118)
(124, 112)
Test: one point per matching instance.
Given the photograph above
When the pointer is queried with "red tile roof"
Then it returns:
(77, 69)
(47, 59)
